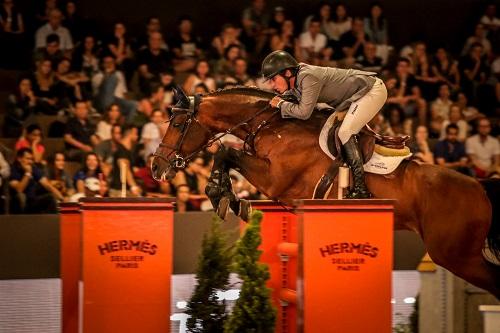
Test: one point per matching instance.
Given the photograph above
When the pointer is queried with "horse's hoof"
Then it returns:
(245, 210)
(223, 208)
(359, 194)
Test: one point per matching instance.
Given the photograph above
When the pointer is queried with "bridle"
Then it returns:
(179, 161)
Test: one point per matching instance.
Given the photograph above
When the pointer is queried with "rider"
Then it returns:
(359, 92)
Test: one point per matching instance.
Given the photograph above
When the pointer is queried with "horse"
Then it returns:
(282, 158)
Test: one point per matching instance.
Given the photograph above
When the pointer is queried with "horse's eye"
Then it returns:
(177, 124)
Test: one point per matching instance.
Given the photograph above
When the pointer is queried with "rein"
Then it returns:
(179, 162)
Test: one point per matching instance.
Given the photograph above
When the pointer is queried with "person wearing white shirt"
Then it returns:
(313, 41)
(54, 27)
(4, 169)
(441, 105)
(490, 20)
(150, 135)
(484, 150)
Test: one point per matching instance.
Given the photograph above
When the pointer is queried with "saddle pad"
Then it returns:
(378, 164)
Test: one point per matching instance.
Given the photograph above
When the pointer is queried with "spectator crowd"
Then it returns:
(88, 105)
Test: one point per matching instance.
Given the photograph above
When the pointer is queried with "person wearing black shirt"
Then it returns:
(31, 191)
(80, 135)
(450, 152)
(152, 61)
(185, 46)
(124, 155)
(352, 41)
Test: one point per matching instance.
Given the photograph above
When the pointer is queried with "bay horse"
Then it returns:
(451, 212)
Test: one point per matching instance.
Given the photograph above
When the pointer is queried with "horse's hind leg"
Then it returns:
(470, 266)
(481, 273)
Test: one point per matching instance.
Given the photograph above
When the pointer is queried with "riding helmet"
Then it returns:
(277, 62)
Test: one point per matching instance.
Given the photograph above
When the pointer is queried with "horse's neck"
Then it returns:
(241, 116)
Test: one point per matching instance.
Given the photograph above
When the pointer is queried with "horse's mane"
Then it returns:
(315, 122)
(243, 90)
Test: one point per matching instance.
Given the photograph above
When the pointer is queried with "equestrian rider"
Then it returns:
(359, 92)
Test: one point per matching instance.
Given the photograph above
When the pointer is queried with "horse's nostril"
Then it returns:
(154, 167)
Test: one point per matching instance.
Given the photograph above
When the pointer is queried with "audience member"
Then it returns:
(403, 90)
(44, 88)
(182, 203)
(369, 61)
(32, 139)
(445, 69)
(228, 36)
(106, 149)
(312, 42)
(69, 86)
(376, 25)
(152, 61)
(31, 191)
(421, 147)
(195, 176)
(397, 123)
(240, 76)
(110, 87)
(73, 21)
(91, 169)
(80, 137)
(4, 170)
(484, 150)
(43, 13)
(124, 158)
(456, 117)
(11, 34)
(277, 19)
(150, 135)
(285, 39)
(450, 152)
(323, 13)
(53, 26)
(255, 21)
(479, 37)
(112, 117)
(58, 177)
(52, 51)
(352, 41)
(119, 45)
(342, 22)
(153, 25)
(86, 57)
(201, 75)
(20, 106)
(186, 46)
(441, 105)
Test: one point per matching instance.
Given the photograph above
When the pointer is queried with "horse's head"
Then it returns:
(184, 137)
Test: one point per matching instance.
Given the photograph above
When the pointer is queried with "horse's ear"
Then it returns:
(181, 97)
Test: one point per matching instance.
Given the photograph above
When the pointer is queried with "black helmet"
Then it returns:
(276, 62)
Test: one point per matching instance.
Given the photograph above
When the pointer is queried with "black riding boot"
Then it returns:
(354, 159)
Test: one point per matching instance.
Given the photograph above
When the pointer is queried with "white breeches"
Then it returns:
(363, 110)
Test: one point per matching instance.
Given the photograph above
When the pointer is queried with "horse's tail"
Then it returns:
(492, 187)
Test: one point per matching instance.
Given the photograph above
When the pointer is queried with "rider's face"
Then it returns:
(278, 83)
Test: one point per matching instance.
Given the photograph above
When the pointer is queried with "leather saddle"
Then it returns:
(369, 141)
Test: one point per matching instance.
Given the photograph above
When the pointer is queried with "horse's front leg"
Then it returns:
(220, 190)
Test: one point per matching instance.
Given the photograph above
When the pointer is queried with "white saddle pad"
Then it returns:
(378, 164)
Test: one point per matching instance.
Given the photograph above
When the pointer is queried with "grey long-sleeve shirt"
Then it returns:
(333, 86)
